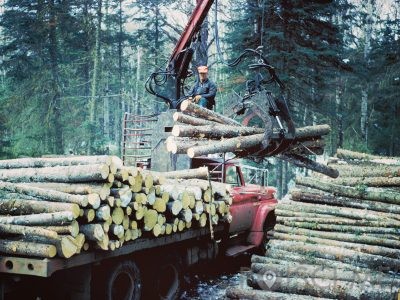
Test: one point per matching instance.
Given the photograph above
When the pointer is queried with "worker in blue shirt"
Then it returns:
(204, 90)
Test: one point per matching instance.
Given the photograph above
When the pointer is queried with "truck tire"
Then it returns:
(164, 279)
(169, 281)
(118, 281)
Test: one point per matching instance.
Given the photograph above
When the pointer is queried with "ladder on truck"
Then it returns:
(136, 139)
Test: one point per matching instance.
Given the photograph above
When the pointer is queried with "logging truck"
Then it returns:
(151, 266)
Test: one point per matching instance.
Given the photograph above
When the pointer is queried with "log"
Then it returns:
(117, 215)
(89, 215)
(186, 215)
(70, 229)
(28, 230)
(367, 170)
(187, 119)
(102, 190)
(160, 205)
(343, 228)
(49, 195)
(319, 287)
(201, 172)
(103, 244)
(216, 131)
(103, 213)
(287, 258)
(347, 154)
(137, 186)
(43, 162)
(376, 250)
(367, 181)
(323, 272)
(93, 232)
(71, 174)
(351, 213)
(56, 218)
(375, 262)
(27, 249)
(25, 207)
(304, 162)
(174, 207)
(139, 214)
(125, 194)
(315, 131)
(344, 237)
(178, 145)
(150, 219)
(317, 196)
(327, 219)
(227, 145)
(219, 188)
(251, 294)
(158, 178)
(117, 231)
(373, 194)
(191, 108)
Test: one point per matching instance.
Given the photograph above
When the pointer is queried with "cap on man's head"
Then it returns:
(202, 69)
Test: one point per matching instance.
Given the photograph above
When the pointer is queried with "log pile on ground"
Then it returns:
(334, 238)
(62, 206)
(199, 131)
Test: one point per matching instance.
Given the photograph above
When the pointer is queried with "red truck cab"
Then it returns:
(252, 208)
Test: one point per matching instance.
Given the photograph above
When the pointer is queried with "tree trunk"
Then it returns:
(338, 236)
(287, 258)
(315, 131)
(375, 250)
(178, 145)
(217, 131)
(57, 218)
(198, 173)
(368, 170)
(315, 271)
(190, 120)
(43, 162)
(345, 212)
(93, 232)
(246, 293)
(367, 181)
(70, 229)
(26, 207)
(73, 174)
(349, 155)
(316, 196)
(320, 287)
(95, 78)
(50, 195)
(373, 194)
(228, 145)
(337, 253)
(305, 162)
(27, 230)
(102, 190)
(27, 249)
(287, 217)
(201, 112)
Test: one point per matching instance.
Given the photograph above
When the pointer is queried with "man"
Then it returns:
(204, 90)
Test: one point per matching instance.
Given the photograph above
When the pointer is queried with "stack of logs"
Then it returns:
(199, 131)
(65, 205)
(336, 239)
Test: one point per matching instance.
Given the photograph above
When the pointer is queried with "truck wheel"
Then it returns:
(169, 281)
(120, 281)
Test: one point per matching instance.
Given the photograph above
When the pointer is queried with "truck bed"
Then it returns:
(46, 267)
